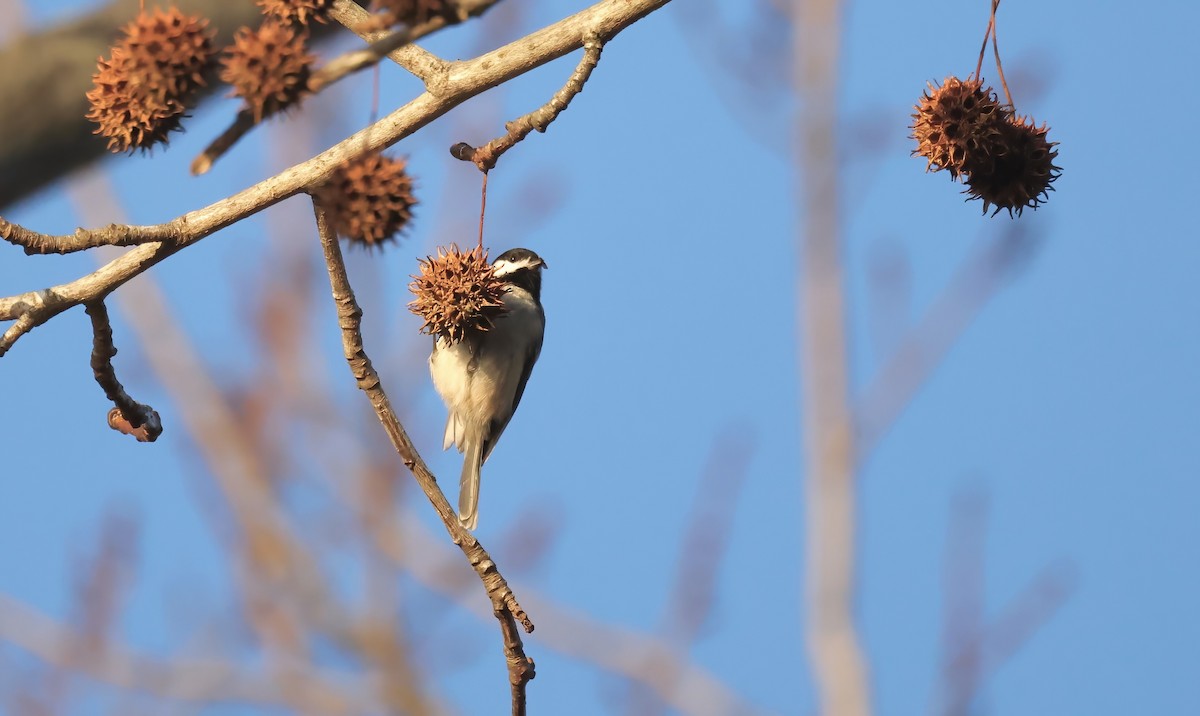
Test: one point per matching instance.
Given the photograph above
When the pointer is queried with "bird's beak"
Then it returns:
(542, 263)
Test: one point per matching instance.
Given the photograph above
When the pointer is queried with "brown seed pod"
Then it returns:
(955, 124)
(457, 293)
(370, 199)
(297, 11)
(1019, 169)
(142, 90)
(268, 67)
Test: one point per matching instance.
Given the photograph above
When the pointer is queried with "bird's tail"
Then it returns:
(468, 485)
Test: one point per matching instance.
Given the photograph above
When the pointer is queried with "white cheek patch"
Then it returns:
(504, 267)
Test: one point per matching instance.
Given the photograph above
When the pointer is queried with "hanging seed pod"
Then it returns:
(1019, 168)
(457, 293)
(955, 123)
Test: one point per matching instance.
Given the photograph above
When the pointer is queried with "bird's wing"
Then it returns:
(497, 426)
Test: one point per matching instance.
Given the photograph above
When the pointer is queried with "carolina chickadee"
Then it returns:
(481, 379)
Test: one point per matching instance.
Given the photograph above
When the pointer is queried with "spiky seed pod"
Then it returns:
(1019, 170)
(297, 11)
(140, 93)
(175, 49)
(370, 199)
(129, 117)
(457, 294)
(268, 67)
(954, 123)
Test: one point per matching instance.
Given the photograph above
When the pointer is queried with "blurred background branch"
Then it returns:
(830, 504)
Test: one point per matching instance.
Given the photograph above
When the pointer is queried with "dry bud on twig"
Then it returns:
(457, 293)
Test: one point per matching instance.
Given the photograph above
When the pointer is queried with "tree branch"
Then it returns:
(881, 403)
(839, 667)
(184, 680)
(83, 239)
(396, 46)
(128, 415)
(504, 603)
(456, 83)
(485, 157)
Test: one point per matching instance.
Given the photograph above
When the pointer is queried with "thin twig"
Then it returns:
(240, 127)
(504, 603)
(277, 574)
(983, 47)
(485, 157)
(704, 547)
(128, 415)
(624, 653)
(973, 651)
(886, 396)
(397, 46)
(996, 54)
(183, 680)
(24, 324)
(482, 208)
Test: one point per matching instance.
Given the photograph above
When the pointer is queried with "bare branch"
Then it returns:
(839, 666)
(704, 545)
(456, 83)
(893, 388)
(128, 415)
(504, 602)
(24, 324)
(485, 157)
(686, 688)
(82, 239)
(185, 680)
(396, 46)
(973, 651)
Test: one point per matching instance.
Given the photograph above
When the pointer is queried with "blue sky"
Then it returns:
(1071, 400)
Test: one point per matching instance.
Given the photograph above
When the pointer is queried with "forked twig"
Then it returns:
(485, 157)
(504, 604)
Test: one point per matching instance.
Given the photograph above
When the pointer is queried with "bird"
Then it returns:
(481, 378)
